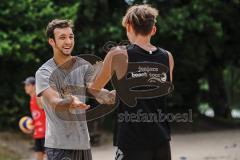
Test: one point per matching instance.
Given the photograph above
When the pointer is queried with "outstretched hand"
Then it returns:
(106, 97)
(76, 103)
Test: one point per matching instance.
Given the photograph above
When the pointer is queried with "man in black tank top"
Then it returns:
(142, 76)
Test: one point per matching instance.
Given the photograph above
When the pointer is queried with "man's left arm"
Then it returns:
(171, 65)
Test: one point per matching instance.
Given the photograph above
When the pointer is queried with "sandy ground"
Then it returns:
(217, 145)
(214, 145)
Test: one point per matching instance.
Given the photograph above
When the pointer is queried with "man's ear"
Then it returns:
(51, 42)
(154, 30)
(128, 27)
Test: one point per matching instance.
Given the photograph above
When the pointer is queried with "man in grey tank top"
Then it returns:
(67, 134)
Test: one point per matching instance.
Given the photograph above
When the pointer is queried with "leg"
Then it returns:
(39, 148)
(40, 155)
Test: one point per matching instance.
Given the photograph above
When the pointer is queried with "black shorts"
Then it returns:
(161, 153)
(39, 145)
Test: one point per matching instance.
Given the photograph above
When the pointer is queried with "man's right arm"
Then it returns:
(51, 97)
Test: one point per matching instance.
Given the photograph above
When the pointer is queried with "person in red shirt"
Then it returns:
(38, 116)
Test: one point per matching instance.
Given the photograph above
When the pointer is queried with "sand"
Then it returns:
(217, 145)
(214, 145)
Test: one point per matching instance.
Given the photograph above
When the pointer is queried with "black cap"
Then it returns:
(29, 80)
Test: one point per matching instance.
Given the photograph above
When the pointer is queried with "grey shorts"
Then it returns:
(64, 154)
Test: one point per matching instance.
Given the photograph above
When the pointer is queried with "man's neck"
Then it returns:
(60, 58)
(144, 42)
(140, 40)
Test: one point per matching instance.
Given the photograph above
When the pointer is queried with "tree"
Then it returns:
(206, 33)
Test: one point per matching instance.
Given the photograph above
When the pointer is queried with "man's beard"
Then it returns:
(62, 52)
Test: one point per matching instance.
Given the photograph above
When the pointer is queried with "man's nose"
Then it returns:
(68, 41)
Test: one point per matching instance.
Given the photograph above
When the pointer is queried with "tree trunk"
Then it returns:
(217, 92)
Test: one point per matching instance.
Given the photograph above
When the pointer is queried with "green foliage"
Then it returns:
(98, 22)
(23, 25)
(194, 17)
(23, 47)
(203, 37)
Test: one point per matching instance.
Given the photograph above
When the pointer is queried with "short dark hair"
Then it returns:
(141, 17)
(57, 23)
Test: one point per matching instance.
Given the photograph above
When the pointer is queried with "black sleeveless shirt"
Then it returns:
(141, 126)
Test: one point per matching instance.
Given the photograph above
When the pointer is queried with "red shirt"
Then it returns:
(39, 119)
